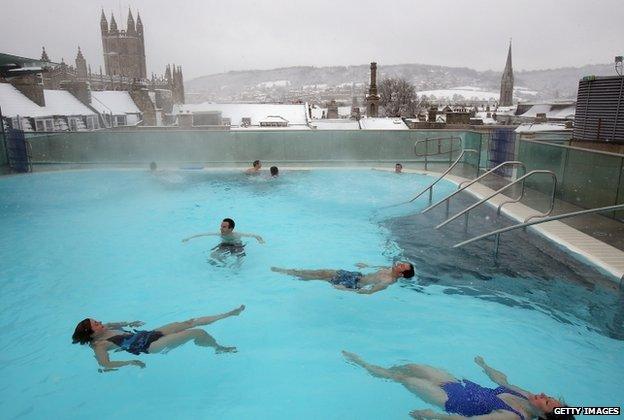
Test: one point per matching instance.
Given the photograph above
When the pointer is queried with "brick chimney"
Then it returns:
(81, 90)
(31, 85)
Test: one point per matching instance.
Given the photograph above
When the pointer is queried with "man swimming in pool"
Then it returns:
(231, 244)
(354, 281)
(106, 337)
(255, 168)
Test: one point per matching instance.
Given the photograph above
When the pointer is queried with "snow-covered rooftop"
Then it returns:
(113, 102)
(552, 111)
(61, 102)
(335, 124)
(57, 102)
(294, 114)
(382, 124)
(542, 127)
(14, 103)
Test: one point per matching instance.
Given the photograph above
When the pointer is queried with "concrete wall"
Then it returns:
(233, 147)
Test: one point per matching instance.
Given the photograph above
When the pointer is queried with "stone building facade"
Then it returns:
(124, 65)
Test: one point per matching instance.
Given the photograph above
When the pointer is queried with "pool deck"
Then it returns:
(599, 253)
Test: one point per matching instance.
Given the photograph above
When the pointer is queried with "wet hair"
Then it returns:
(552, 416)
(274, 171)
(409, 273)
(230, 222)
(83, 332)
(153, 166)
(255, 163)
(398, 164)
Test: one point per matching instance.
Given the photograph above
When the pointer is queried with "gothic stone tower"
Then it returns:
(372, 99)
(507, 83)
(124, 51)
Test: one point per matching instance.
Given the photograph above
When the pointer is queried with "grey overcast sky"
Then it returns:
(208, 36)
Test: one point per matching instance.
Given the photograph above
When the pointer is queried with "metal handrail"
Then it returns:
(466, 211)
(450, 168)
(428, 139)
(470, 182)
(525, 224)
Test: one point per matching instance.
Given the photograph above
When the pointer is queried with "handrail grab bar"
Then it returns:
(450, 168)
(448, 197)
(547, 219)
(428, 139)
(522, 178)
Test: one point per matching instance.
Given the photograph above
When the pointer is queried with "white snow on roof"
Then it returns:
(566, 112)
(466, 92)
(274, 118)
(113, 102)
(61, 102)
(343, 111)
(14, 103)
(535, 128)
(256, 127)
(294, 114)
(485, 118)
(382, 124)
(57, 102)
(336, 124)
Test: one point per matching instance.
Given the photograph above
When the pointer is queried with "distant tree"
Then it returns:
(398, 97)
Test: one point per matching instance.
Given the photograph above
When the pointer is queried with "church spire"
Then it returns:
(113, 24)
(44, 55)
(131, 28)
(103, 23)
(507, 82)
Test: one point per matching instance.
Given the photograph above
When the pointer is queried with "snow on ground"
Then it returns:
(465, 92)
(274, 83)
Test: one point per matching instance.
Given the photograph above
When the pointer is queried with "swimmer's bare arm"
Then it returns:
(200, 234)
(101, 355)
(364, 265)
(498, 377)
(374, 289)
(117, 325)
(430, 414)
(252, 235)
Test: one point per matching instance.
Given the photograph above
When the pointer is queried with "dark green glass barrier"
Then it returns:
(586, 178)
(203, 146)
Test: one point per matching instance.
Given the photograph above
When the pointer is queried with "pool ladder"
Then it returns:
(439, 151)
(497, 233)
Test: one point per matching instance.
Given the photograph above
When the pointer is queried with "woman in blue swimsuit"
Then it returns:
(106, 337)
(463, 398)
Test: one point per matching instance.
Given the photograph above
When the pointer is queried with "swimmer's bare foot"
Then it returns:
(223, 349)
(237, 311)
(352, 357)
(278, 270)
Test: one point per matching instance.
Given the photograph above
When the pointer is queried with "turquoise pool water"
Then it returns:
(107, 244)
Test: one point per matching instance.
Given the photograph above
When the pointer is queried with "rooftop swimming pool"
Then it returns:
(107, 244)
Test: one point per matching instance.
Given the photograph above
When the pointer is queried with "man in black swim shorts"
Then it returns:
(354, 281)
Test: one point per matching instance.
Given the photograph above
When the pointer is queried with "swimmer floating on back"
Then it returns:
(354, 281)
(106, 337)
(463, 398)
